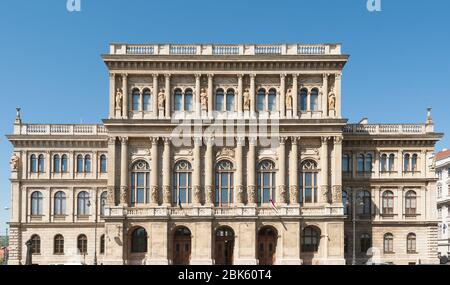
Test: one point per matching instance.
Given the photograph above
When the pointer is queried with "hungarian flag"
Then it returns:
(179, 202)
(272, 205)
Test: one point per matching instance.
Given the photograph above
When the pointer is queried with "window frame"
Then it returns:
(266, 170)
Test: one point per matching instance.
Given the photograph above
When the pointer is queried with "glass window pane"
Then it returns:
(188, 101)
(230, 102)
(219, 101)
(136, 98)
(272, 101)
(314, 102)
(303, 100)
(147, 101)
(177, 102)
(260, 104)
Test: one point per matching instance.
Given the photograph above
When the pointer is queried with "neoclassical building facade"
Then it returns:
(224, 154)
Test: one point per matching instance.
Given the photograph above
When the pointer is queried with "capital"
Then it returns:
(124, 140)
(111, 140)
(124, 75)
(155, 75)
(240, 76)
(240, 141)
(337, 140)
(252, 140)
(154, 140)
(282, 140)
(167, 140)
(325, 139)
(197, 76)
(295, 140)
(167, 75)
(210, 76)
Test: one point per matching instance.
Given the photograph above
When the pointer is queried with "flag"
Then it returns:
(179, 202)
(272, 204)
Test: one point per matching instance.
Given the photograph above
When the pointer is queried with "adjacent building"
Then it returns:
(443, 201)
(224, 154)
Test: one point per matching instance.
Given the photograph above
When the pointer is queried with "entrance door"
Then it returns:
(267, 243)
(181, 246)
(224, 245)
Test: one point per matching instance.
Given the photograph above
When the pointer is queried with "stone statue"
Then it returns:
(246, 100)
(161, 98)
(14, 162)
(331, 100)
(204, 99)
(289, 99)
(119, 99)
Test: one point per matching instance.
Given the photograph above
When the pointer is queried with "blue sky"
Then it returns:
(50, 61)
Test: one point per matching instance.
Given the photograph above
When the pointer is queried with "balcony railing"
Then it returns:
(366, 129)
(212, 49)
(48, 129)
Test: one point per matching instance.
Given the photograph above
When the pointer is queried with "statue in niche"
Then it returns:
(289, 99)
(246, 100)
(204, 99)
(331, 100)
(119, 99)
(14, 162)
(161, 98)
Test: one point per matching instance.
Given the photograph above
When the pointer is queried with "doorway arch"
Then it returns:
(267, 244)
(224, 246)
(181, 246)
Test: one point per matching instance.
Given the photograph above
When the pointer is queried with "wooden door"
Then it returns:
(181, 250)
(224, 250)
(267, 242)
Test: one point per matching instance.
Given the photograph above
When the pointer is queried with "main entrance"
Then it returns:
(181, 246)
(267, 243)
(224, 245)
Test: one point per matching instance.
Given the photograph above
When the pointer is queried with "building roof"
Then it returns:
(443, 154)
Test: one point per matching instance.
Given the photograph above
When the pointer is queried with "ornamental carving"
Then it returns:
(331, 100)
(228, 152)
(197, 194)
(155, 196)
(324, 193)
(161, 98)
(246, 100)
(123, 195)
(167, 194)
(204, 99)
(283, 193)
(110, 197)
(14, 163)
(209, 194)
(293, 192)
(240, 194)
(289, 99)
(251, 192)
(337, 194)
(119, 99)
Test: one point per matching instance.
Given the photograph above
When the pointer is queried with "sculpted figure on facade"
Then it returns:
(204, 99)
(161, 98)
(119, 99)
(14, 162)
(246, 100)
(289, 99)
(331, 100)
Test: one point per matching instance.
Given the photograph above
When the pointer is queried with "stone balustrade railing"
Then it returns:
(212, 49)
(401, 129)
(48, 129)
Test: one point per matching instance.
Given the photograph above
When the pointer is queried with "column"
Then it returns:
(337, 84)
(325, 96)
(252, 95)
(125, 96)
(112, 95)
(239, 188)
(399, 164)
(168, 110)
(293, 172)
(295, 95)
(324, 171)
(337, 171)
(124, 172)
(154, 172)
(282, 105)
(167, 173)
(376, 166)
(196, 175)
(251, 168)
(209, 173)
(210, 95)
(155, 96)
(197, 96)
(281, 197)
(240, 95)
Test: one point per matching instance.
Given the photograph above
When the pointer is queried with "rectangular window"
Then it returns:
(314, 102)
(230, 103)
(219, 102)
(177, 102)
(303, 103)
(272, 103)
(147, 103)
(188, 102)
(136, 101)
(261, 101)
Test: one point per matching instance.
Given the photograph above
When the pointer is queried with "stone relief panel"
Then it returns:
(182, 81)
(225, 82)
(312, 80)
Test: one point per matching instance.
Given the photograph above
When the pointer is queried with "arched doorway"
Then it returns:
(138, 241)
(224, 245)
(267, 243)
(181, 246)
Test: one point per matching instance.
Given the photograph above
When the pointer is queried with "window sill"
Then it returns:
(389, 253)
(58, 254)
(412, 252)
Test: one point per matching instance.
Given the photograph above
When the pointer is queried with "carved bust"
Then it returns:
(161, 98)
(246, 100)
(289, 99)
(119, 99)
(204, 99)
(14, 162)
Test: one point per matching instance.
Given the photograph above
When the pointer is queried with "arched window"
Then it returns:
(368, 163)
(147, 100)
(261, 100)
(224, 183)
(314, 99)
(230, 100)
(139, 241)
(58, 244)
(36, 203)
(391, 162)
(60, 203)
(102, 244)
(140, 183)
(308, 182)
(360, 167)
(366, 203)
(83, 203)
(87, 163)
(182, 183)
(135, 100)
(414, 163)
(35, 244)
(303, 99)
(80, 164)
(220, 98)
(178, 99)
(388, 243)
(266, 182)
(272, 100)
(82, 244)
(103, 164)
(388, 202)
(365, 242)
(56, 163)
(406, 165)
(64, 164)
(383, 163)
(41, 163)
(411, 243)
(346, 163)
(410, 203)
(310, 239)
(345, 202)
(103, 198)
(33, 163)
(188, 104)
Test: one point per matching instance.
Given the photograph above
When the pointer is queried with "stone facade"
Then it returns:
(223, 154)
(443, 201)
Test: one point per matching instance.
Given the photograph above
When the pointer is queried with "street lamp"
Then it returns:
(95, 228)
(360, 203)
